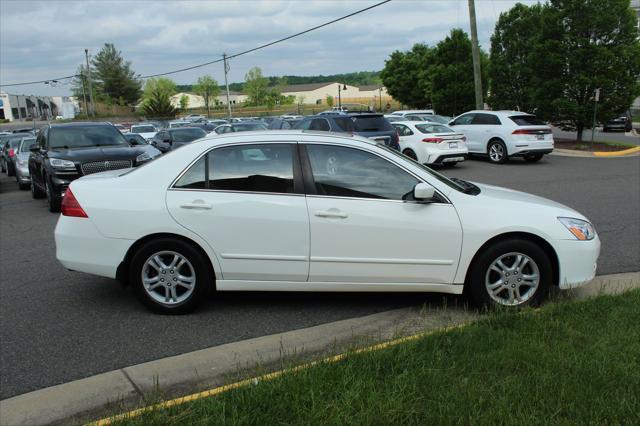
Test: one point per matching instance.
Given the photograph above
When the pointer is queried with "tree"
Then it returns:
(513, 66)
(451, 75)
(255, 86)
(184, 102)
(587, 45)
(208, 88)
(405, 76)
(329, 101)
(156, 97)
(113, 76)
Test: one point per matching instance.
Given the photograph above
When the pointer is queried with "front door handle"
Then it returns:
(197, 205)
(331, 213)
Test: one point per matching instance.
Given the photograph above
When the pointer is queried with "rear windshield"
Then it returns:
(142, 129)
(527, 120)
(433, 128)
(368, 123)
(27, 144)
(82, 137)
(188, 134)
(244, 127)
(345, 124)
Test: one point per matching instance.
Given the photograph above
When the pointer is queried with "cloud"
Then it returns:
(42, 40)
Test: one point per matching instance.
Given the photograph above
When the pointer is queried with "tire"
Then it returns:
(195, 267)
(482, 277)
(497, 151)
(36, 193)
(53, 200)
(11, 171)
(2, 166)
(533, 158)
(409, 153)
(23, 186)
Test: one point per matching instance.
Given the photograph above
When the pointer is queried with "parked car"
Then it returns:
(9, 148)
(292, 117)
(620, 124)
(505, 134)
(433, 118)
(147, 131)
(29, 130)
(413, 111)
(178, 123)
(230, 213)
(194, 118)
(283, 123)
(393, 118)
(370, 125)
(65, 152)
(431, 143)
(244, 126)
(21, 162)
(121, 128)
(136, 139)
(217, 123)
(170, 139)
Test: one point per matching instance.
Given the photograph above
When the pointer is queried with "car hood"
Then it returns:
(97, 153)
(502, 196)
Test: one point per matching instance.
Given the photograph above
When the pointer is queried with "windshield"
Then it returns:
(439, 119)
(188, 134)
(26, 144)
(84, 137)
(433, 128)
(245, 127)
(142, 129)
(441, 178)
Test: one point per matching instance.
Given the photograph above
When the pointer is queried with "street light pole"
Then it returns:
(93, 110)
(339, 97)
(226, 83)
(475, 53)
(380, 92)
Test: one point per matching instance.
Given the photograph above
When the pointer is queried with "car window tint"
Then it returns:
(350, 172)
(465, 119)
(345, 124)
(252, 168)
(527, 120)
(403, 130)
(486, 119)
(433, 128)
(194, 178)
(319, 124)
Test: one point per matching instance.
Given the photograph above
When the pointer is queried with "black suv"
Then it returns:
(65, 152)
(372, 126)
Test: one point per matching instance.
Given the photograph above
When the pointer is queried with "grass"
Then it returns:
(568, 363)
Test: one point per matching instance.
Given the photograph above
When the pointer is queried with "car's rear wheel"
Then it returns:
(533, 158)
(23, 186)
(514, 272)
(497, 151)
(35, 191)
(54, 200)
(409, 153)
(170, 276)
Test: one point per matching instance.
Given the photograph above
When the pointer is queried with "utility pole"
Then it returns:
(93, 111)
(596, 98)
(475, 52)
(84, 95)
(226, 83)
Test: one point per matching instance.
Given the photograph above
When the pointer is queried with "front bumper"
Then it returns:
(577, 260)
(22, 173)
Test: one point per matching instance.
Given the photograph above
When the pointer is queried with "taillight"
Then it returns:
(531, 132)
(432, 140)
(70, 206)
(11, 152)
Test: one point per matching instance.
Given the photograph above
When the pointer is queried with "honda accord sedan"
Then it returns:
(315, 211)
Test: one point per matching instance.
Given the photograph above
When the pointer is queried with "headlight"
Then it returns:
(581, 229)
(62, 164)
(143, 157)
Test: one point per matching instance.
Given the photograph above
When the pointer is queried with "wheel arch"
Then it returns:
(122, 273)
(495, 138)
(541, 242)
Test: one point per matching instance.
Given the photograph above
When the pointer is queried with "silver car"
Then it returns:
(21, 162)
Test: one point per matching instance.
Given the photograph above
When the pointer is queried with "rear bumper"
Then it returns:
(80, 247)
(447, 158)
(578, 261)
(533, 151)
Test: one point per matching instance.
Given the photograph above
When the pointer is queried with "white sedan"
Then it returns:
(431, 143)
(301, 211)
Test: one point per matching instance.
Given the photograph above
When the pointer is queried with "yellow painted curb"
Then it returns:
(265, 377)
(617, 153)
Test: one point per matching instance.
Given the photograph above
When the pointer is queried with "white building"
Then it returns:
(26, 107)
(234, 97)
(195, 101)
(68, 106)
(317, 93)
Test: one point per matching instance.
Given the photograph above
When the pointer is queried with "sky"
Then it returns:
(46, 39)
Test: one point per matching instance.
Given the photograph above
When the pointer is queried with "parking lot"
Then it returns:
(58, 326)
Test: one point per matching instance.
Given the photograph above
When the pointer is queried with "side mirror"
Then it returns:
(167, 141)
(423, 192)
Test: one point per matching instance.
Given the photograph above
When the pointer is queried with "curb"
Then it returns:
(209, 368)
(622, 153)
(588, 154)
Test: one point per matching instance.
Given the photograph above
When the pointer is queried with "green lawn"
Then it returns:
(568, 363)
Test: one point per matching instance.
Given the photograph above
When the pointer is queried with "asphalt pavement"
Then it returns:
(57, 326)
(599, 135)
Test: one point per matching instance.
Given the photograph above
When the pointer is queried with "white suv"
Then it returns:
(504, 134)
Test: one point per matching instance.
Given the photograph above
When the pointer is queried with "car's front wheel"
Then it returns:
(513, 272)
(170, 276)
(497, 151)
(35, 191)
(54, 200)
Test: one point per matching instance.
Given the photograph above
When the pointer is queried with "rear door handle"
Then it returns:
(331, 213)
(196, 205)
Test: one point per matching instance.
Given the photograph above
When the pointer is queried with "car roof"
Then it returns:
(500, 112)
(81, 124)
(288, 136)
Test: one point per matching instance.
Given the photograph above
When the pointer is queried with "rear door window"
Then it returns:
(345, 124)
(486, 119)
(320, 124)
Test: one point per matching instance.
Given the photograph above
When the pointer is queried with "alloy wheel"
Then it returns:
(512, 279)
(496, 152)
(168, 277)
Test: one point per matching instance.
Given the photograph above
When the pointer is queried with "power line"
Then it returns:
(230, 56)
